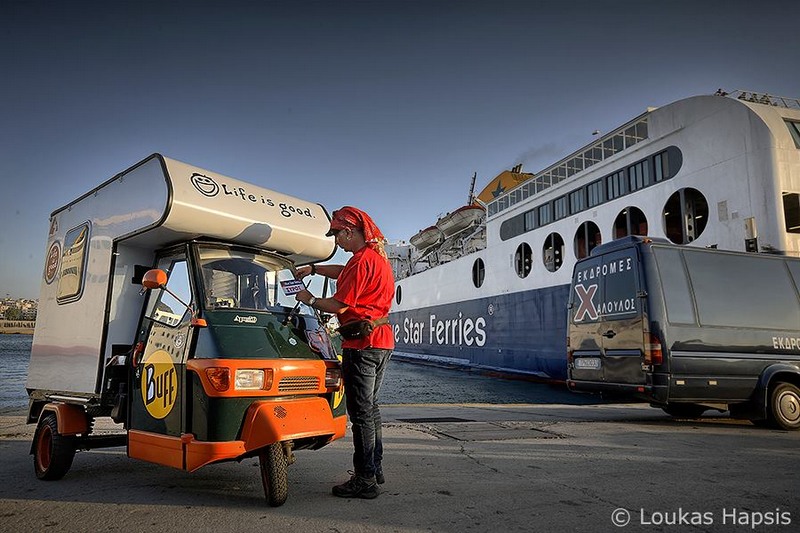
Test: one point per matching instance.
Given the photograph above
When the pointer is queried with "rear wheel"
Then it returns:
(274, 465)
(684, 410)
(784, 406)
(52, 452)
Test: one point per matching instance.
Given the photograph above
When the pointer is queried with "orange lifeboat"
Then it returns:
(461, 218)
(426, 238)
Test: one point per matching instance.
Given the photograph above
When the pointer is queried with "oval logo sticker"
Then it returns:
(159, 384)
(51, 263)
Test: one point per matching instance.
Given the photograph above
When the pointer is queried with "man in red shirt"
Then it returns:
(364, 291)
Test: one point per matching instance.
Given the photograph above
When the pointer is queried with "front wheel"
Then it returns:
(52, 452)
(784, 406)
(274, 465)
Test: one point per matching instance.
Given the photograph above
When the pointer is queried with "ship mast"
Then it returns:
(472, 189)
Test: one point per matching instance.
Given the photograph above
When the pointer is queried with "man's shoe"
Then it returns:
(357, 487)
(379, 479)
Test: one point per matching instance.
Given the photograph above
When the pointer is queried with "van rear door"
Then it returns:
(606, 322)
(621, 318)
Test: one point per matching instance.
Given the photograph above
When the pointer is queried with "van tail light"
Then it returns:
(570, 355)
(652, 349)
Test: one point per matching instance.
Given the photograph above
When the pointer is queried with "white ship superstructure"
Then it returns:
(717, 171)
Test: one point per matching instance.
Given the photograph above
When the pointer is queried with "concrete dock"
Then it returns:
(454, 467)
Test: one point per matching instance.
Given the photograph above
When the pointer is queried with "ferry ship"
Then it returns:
(486, 286)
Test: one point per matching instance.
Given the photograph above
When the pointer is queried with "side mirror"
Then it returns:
(154, 279)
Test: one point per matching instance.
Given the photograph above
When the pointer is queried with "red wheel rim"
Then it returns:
(44, 446)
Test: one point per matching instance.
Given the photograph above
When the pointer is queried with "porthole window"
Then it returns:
(685, 215)
(630, 221)
(398, 294)
(523, 260)
(553, 252)
(586, 238)
(478, 272)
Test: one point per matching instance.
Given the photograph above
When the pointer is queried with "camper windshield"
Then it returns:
(234, 279)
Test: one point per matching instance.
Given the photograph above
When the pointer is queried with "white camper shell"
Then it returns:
(103, 240)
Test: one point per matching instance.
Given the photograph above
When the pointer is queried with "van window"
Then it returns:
(169, 307)
(675, 286)
(742, 291)
(605, 288)
(794, 270)
(619, 273)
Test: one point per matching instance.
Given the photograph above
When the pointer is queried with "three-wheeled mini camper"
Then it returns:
(162, 308)
(688, 329)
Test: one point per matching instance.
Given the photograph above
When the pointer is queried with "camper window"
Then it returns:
(73, 263)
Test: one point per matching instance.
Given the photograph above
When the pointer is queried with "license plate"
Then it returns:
(587, 363)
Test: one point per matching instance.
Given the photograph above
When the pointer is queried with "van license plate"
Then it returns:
(588, 363)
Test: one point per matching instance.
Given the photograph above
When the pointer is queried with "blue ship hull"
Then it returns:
(519, 333)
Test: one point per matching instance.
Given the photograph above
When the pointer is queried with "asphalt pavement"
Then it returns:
(449, 467)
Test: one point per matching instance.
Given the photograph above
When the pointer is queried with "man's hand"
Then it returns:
(303, 271)
(303, 296)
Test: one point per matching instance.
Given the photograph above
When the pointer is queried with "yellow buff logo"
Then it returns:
(159, 384)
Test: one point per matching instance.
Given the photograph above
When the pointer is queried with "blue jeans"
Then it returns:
(363, 373)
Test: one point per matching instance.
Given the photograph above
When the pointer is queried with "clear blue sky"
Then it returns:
(386, 105)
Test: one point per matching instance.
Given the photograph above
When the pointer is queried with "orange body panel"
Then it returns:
(278, 420)
(266, 422)
(71, 419)
(200, 453)
(154, 448)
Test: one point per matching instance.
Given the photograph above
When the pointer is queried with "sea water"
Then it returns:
(404, 383)
(15, 353)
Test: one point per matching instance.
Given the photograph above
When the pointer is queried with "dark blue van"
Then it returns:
(688, 329)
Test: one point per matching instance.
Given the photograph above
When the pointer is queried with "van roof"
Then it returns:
(625, 242)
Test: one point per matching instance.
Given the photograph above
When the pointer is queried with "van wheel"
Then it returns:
(274, 477)
(52, 452)
(784, 406)
(684, 410)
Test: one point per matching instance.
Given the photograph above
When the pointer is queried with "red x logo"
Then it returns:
(587, 307)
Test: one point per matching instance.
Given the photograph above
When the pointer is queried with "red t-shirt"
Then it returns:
(366, 287)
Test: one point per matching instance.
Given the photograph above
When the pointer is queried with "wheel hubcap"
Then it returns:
(790, 407)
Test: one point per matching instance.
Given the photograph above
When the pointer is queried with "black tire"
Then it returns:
(684, 410)
(52, 452)
(784, 406)
(274, 476)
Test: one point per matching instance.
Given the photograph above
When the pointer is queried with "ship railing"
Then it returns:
(763, 98)
(618, 140)
(609, 145)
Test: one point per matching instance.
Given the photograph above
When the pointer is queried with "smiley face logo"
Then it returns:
(204, 184)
